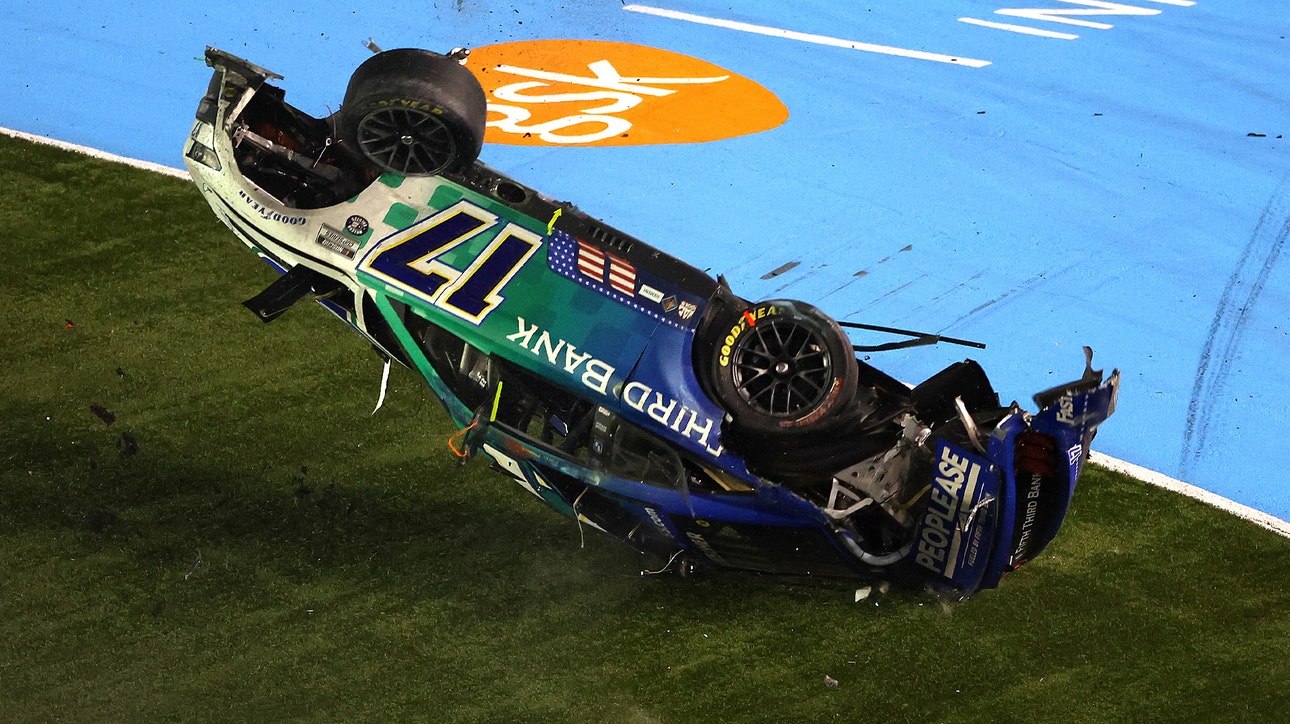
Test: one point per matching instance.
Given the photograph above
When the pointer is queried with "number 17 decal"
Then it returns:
(414, 260)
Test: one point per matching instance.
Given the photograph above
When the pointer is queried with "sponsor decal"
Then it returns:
(611, 276)
(671, 413)
(1041, 490)
(748, 319)
(334, 240)
(940, 537)
(1029, 517)
(269, 214)
(974, 547)
(686, 310)
(1075, 456)
(651, 293)
(706, 547)
(602, 93)
(598, 376)
(1066, 409)
(592, 373)
(356, 225)
(657, 520)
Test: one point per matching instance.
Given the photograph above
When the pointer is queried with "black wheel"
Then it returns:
(783, 366)
(414, 112)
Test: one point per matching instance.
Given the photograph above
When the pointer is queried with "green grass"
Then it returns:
(246, 540)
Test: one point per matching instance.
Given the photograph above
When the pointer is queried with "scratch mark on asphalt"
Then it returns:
(1030, 284)
(889, 293)
(1231, 317)
(780, 270)
(865, 272)
(838, 289)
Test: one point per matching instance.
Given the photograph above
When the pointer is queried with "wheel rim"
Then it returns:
(782, 368)
(408, 141)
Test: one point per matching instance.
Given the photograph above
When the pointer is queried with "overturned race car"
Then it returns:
(625, 388)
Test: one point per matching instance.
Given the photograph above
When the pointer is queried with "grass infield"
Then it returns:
(201, 519)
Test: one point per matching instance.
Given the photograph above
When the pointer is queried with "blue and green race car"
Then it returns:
(621, 386)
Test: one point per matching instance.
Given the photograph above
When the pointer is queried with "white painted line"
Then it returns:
(1026, 29)
(136, 163)
(1258, 517)
(806, 37)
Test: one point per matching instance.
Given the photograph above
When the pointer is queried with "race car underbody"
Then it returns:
(623, 387)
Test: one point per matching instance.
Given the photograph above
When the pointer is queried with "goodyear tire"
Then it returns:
(414, 112)
(783, 366)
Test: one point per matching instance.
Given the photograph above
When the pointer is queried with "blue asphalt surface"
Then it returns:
(1128, 189)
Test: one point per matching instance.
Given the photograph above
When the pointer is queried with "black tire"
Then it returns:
(414, 112)
(783, 366)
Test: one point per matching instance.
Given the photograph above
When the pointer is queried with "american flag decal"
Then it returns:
(612, 276)
(591, 263)
(622, 276)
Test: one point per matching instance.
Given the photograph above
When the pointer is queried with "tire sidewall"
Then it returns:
(418, 80)
(726, 346)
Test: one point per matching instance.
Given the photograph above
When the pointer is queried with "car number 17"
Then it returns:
(413, 261)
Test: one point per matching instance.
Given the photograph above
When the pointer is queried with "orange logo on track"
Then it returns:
(600, 93)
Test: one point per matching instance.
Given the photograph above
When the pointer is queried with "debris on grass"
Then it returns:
(104, 414)
(127, 445)
(196, 565)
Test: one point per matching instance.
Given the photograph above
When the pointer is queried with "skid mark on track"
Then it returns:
(1027, 285)
(846, 284)
(971, 281)
(1231, 317)
(889, 293)
(865, 272)
(780, 270)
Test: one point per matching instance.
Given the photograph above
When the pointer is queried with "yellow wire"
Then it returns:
(497, 398)
(905, 505)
